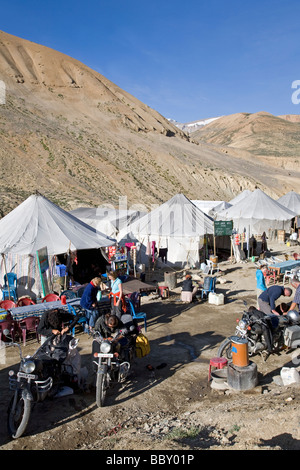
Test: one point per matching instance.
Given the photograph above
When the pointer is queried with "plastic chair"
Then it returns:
(137, 315)
(211, 267)
(135, 298)
(10, 286)
(80, 291)
(218, 362)
(69, 294)
(10, 325)
(7, 304)
(50, 298)
(270, 277)
(29, 325)
(82, 321)
(164, 291)
(25, 301)
(209, 285)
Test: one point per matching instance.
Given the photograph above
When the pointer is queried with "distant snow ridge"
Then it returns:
(190, 127)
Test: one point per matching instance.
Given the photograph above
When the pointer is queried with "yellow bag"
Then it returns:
(142, 345)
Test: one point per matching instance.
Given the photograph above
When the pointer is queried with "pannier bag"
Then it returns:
(142, 345)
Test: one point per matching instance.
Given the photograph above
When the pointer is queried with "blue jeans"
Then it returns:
(91, 315)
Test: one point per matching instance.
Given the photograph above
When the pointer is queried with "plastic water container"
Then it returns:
(215, 299)
(61, 270)
(289, 375)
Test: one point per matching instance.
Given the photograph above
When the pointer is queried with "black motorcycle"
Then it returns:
(112, 358)
(41, 375)
(266, 334)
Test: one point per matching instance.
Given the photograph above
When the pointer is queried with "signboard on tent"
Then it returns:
(43, 263)
(223, 227)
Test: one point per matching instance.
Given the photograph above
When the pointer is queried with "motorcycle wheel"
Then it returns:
(225, 349)
(18, 415)
(102, 384)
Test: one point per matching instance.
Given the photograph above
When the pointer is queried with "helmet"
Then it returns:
(294, 316)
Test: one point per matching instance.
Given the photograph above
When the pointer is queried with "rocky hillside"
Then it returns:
(77, 138)
(271, 139)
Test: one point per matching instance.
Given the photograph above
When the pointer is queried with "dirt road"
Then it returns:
(172, 407)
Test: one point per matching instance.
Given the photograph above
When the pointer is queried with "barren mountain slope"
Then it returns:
(274, 140)
(70, 133)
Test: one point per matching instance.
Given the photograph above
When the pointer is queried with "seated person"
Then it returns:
(282, 308)
(111, 327)
(188, 290)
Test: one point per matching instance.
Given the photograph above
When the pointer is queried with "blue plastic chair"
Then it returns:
(10, 286)
(137, 315)
(209, 285)
(82, 321)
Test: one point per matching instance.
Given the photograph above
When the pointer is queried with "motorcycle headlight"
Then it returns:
(242, 324)
(28, 367)
(105, 347)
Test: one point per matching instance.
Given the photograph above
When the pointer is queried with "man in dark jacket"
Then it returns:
(267, 300)
(88, 300)
(52, 323)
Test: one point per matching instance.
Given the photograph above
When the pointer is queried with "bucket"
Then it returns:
(214, 260)
(170, 280)
(239, 351)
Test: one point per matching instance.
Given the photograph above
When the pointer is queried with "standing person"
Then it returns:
(118, 299)
(264, 242)
(266, 300)
(260, 281)
(88, 301)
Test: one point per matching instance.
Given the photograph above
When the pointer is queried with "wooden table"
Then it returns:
(281, 268)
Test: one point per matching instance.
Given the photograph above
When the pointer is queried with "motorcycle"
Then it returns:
(113, 360)
(56, 363)
(266, 334)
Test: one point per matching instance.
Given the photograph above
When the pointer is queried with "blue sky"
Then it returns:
(189, 60)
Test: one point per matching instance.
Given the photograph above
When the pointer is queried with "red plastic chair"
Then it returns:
(7, 304)
(50, 298)
(270, 277)
(29, 325)
(9, 325)
(25, 301)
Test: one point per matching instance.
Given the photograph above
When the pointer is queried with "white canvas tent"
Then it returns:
(177, 225)
(291, 200)
(205, 206)
(240, 196)
(257, 213)
(107, 220)
(39, 223)
(218, 208)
